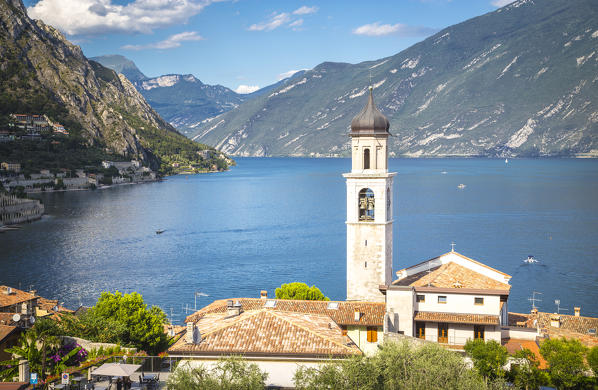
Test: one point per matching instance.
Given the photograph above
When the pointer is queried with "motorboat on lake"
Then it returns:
(160, 231)
(530, 260)
(461, 186)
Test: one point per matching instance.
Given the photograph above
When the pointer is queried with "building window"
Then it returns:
(344, 330)
(478, 332)
(479, 301)
(443, 333)
(366, 159)
(442, 299)
(420, 298)
(372, 334)
(366, 205)
(420, 330)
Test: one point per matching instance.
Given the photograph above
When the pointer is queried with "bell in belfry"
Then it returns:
(370, 203)
(363, 203)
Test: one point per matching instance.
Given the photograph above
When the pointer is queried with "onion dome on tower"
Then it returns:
(369, 121)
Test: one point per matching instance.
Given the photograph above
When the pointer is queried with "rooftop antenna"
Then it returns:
(453, 246)
(533, 299)
(370, 79)
(557, 302)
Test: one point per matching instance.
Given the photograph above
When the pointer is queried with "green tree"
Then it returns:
(565, 359)
(300, 291)
(488, 357)
(144, 326)
(593, 361)
(396, 366)
(34, 346)
(524, 371)
(232, 373)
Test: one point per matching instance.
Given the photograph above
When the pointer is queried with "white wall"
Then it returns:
(359, 336)
(401, 301)
(280, 373)
(459, 303)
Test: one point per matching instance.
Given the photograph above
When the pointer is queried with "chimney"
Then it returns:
(577, 311)
(8, 291)
(192, 336)
(555, 320)
(233, 309)
(264, 294)
(534, 311)
(357, 315)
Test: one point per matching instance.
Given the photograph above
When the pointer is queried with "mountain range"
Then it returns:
(182, 99)
(519, 81)
(42, 72)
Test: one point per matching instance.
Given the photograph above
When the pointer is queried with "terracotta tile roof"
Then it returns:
(372, 312)
(6, 319)
(451, 275)
(456, 318)
(576, 327)
(461, 256)
(514, 345)
(16, 296)
(270, 332)
(5, 331)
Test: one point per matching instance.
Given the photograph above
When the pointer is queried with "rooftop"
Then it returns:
(453, 270)
(457, 318)
(581, 328)
(15, 296)
(5, 331)
(372, 313)
(268, 332)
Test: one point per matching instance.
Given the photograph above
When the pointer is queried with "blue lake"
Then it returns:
(271, 221)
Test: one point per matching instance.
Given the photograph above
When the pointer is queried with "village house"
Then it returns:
(280, 335)
(13, 167)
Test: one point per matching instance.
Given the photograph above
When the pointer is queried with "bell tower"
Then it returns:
(369, 206)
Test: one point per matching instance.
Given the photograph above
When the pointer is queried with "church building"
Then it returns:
(448, 299)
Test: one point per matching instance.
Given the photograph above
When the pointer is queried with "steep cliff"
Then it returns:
(42, 72)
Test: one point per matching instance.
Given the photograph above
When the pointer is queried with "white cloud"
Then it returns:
(275, 21)
(376, 29)
(296, 23)
(90, 17)
(169, 43)
(305, 10)
(246, 88)
(288, 74)
(501, 3)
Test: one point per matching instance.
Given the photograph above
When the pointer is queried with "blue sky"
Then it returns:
(245, 44)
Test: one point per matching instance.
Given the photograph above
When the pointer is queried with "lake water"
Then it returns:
(271, 221)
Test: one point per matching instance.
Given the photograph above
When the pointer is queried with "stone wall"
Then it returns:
(15, 210)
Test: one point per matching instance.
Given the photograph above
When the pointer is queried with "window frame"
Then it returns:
(422, 296)
(372, 334)
(442, 302)
(475, 301)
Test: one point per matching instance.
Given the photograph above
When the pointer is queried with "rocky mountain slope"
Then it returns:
(520, 81)
(42, 72)
(183, 100)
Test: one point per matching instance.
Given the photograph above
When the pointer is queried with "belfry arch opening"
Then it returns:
(366, 205)
(366, 158)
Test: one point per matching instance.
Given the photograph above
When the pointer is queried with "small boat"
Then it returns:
(160, 231)
(461, 186)
(530, 260)
(506, 160)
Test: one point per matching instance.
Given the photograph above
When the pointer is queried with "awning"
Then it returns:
(456, 318)
(116, 369)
